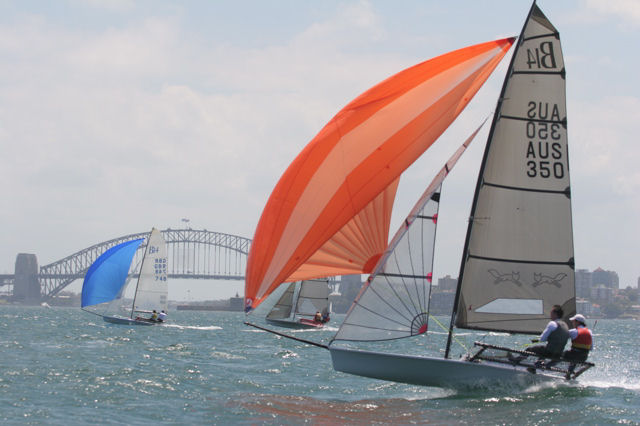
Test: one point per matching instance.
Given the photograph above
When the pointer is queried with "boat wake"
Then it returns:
(608, 384)
(193, 327)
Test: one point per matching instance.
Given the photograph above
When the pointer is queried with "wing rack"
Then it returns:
(531, 361)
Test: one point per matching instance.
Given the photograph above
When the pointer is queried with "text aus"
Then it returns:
(544, 154)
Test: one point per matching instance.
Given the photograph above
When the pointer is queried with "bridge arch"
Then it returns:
(191, 253)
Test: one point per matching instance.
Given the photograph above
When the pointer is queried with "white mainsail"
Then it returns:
(313, 297)
(284, 306)
(301, 299)
(152, 289)
(518, 260)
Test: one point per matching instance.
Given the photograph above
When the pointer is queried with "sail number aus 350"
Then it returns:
(544, 155)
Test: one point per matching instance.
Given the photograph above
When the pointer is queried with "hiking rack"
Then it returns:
(533, 362)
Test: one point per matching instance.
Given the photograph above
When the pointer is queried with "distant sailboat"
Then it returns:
(105, 282)
(299, 304)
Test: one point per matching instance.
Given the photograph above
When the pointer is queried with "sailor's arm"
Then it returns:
(548, 330)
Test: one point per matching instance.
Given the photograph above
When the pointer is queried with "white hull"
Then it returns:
(127, 321)
(437, 372)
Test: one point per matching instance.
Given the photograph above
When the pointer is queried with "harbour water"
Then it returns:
(65, 366)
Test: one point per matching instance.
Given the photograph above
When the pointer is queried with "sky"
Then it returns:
(119, 115)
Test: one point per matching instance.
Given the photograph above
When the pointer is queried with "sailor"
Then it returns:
(162, 316)
(581, 339)
(154, 316)
(555, 334)
(325, 315)
(317, 317)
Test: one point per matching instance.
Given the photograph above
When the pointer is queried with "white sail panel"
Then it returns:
(152, 290)
(498, 232)
(520, 238)
(283, 307)
(394, 303)
(313, 297)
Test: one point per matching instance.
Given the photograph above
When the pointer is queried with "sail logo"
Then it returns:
(540, 279)
(513, 277)
(153, 249)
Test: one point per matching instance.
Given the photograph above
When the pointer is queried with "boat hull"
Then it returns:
(127, 321)
(437, 372)
(302, 324)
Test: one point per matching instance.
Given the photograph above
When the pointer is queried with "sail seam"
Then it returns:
(561, 72)
(554, 35)
(535, 120)
(403, 276)
(534, 262)
(519, 188)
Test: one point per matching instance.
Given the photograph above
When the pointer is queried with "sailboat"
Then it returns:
(518, 254)
(105, 282)
(300, 303)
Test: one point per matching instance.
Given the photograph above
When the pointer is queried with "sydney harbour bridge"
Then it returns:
(191, 254)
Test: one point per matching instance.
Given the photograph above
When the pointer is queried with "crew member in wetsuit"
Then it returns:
(581, 340)
(555, 334)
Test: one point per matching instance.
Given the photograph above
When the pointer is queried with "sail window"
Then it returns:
(512, 306)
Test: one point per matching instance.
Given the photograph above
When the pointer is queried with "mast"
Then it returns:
(496, 117)
(135, 294)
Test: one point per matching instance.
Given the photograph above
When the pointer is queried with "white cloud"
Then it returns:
(114, 129)
(626, 10)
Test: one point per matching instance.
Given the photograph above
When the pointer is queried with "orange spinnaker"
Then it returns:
(329, 214)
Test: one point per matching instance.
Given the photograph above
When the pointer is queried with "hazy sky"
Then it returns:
(116, 116)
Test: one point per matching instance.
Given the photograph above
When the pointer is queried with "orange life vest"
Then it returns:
(583, 340)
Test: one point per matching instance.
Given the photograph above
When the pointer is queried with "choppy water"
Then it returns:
(64, 366)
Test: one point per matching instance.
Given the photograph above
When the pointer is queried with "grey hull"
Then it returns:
(436, 372)
(126, 321)
(291, 324)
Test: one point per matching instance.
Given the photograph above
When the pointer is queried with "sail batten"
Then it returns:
(538, 262)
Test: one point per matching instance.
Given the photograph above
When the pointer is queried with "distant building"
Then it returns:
(26, 287)
(236, 303)
(608, 279)
(442, 302)
(601, 293)
(583, 283)
(584, 307)
(447, 283)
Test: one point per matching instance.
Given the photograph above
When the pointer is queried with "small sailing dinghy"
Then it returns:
(325, 218)
(105, 283)
(299, 305)
(518, 256)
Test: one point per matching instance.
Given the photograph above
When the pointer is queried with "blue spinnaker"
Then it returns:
(108, 274)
